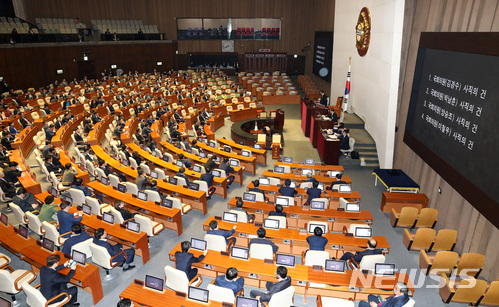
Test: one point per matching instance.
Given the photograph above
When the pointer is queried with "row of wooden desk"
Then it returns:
(300, 178)
(238, 170)
(86, 277)
(249, 163)
(259, 154)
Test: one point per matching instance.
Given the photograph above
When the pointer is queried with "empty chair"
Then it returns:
(470, 264)
(101, 257)
(153, 196)
(427, 218)
(261, 251)
(203, 186)
(11, 281)
(313, 257)
(52, 234)
(184, 208)
(133, 163)
(445, 240)
(468, 291)
(217, 243)
(132, 188)
(113, 180)
(97, 208)
(146, 168)
(4, 260)
(367, 263)
(34, 224)
(148, 226)
(323, 301)
(491, 297)
(406, 218)
(442, 262)
(161, 173)
(423, 239)
(90, 168)
(100, 173)
(282, 298)
(177, 280)
(77, 196)
(34, 298)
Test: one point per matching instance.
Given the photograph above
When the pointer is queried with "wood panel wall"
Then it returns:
(36, 66)
(475, 232)
(300, 19)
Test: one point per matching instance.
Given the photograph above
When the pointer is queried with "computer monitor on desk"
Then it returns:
(172, 180)
(317, 205)
(168, 203)
(194, 186)
(352, 207)
(108, 217)
(179, 163)
(154, 175)
(271, 223)
(5, 302)
(198, 294)
(234, 162)
(133, 226)
(142, 196)
(287, 159)
(242, 301)
(198, 244)
(104, 180)
(240, 253)
(305, 172)
(278, 169)
(202, 154)
(230, 217)
(5, 219)
(311, 227)
(165, 158)
(245, 153)
(48, 245)
(196, 168)
(384, 269)
(283, 201)
(345, 188)
(79, 257)
(286, 260)
(337, 266)
(121, 188)
(154, 283)
(264, 181)
(217, 173)
(309, 162)
(363, 232)
(23, 231)
(86, 209)
(249, 197)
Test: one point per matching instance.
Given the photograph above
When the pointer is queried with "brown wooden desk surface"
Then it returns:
(197, 199)
(294, 242)
(86, 277)
(84, 175)
(297, 217)
(25, 142)
(31, 185)
(238, 171)
(248, 162)
(220, 184)
(300, 178)
(63, 134)
(171, 218)
(399, 200)
(216, 122)
(302, 276)
(237, 115)
(148, 297)
(259, 154)
(317, 167)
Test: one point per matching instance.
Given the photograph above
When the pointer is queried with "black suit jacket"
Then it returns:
(183, 262)
(52, 283)
(324, 100)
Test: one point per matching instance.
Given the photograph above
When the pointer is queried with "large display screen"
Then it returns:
(323, 55)
(452, 114)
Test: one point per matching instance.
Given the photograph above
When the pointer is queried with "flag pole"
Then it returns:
(347, 86)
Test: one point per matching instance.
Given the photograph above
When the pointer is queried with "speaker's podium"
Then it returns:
(276, 146)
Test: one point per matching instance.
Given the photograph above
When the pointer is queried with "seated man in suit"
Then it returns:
(283, 282)
(207, 177)
(142, 180)
(317, 242)
(226, 234)
(12, 172)
(69, 174)
(286, 190)
(181, 173)
(239, 207)
(51, 166)
(78, 184)
(278, 211)
(113, 250)
(230, 280)
(77, 235)
(53, 283)
(228, 169)
(184, 260)
(314, 191)
(338, 181)
(184, 161)
(256, 184)
(344, 140)
(310, 178)
(261, 232)
(66, 219)
(371, 250)
(26, 201)
(400, 298)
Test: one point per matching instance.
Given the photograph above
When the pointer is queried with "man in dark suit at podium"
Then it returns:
(323, 100)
